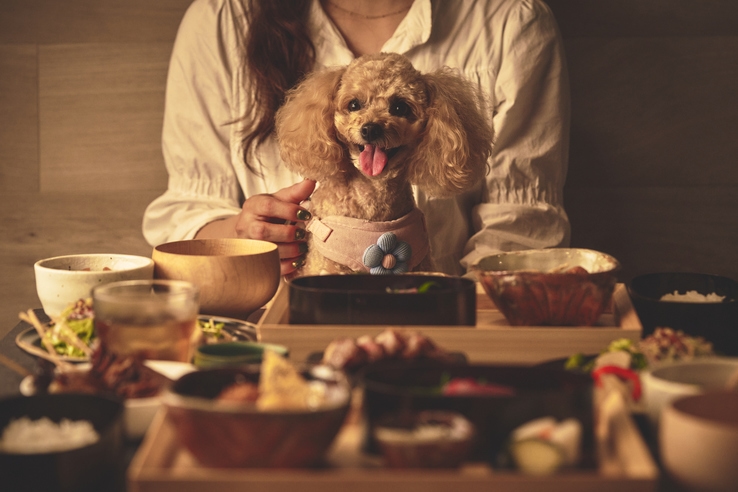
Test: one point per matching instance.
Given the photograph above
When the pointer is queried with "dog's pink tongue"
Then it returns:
(372, 160)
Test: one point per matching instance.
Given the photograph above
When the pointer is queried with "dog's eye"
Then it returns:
(399, 108)
(354, 105)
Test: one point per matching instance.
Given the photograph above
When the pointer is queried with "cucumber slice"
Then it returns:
(536, 456)
(568, 437)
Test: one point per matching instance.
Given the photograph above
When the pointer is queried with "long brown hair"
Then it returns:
(277, 52)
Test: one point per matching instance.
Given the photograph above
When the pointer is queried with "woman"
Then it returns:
(232, 64)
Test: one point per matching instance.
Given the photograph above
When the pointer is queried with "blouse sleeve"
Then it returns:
(523, 208)
(197, 128)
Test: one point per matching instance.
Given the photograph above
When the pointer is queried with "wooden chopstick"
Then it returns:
(14, 366)
(50, 354)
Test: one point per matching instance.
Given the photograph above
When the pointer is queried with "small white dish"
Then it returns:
(698, 441)
(139, 412)
(62, 280)
(665, 383)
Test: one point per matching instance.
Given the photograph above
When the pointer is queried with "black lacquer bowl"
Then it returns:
(88, 468)
(383, 300)
(717, 322)
(403, 387)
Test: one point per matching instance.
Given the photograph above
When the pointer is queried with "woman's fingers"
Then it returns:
(280, 219)
(296, 193)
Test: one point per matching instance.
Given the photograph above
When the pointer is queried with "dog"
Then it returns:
(367, 133)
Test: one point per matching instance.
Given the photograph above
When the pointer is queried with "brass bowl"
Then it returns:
(549, 287)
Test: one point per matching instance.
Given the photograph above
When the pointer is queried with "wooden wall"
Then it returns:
(81, 105)
(653, 175)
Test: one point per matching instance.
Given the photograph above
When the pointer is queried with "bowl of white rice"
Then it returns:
(61, 442)
(698, 304)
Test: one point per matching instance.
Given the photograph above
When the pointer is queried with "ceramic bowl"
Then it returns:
(88, 467)
(716, 322)
(235, 276)
(228, 354)
(560, 286)
(698, 441)
(62, 280)
(666, 383)
(236, 435)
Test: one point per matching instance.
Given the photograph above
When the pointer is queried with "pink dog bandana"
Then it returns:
(344, 239)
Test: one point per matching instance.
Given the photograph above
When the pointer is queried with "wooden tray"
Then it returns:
(493, 340)
(161, 465)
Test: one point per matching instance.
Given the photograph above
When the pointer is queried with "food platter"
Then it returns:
(162, 465)
(491, 340)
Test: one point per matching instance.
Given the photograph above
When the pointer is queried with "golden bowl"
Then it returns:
(235, 276)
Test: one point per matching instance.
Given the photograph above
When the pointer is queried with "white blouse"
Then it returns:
(511, 48)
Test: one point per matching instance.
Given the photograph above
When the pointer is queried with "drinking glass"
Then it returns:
(147, 319)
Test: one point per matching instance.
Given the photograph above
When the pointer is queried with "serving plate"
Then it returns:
(623, 464)
(139, 412)
(29, 340)
(490, 340)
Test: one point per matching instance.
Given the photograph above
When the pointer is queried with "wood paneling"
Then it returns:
(653, 111)
(651, 229)
(644, 18)
(18, 21)
(101, 108)
(18, 119)
(41, 225)
(652, 175)
(89, 21)
(114, 21)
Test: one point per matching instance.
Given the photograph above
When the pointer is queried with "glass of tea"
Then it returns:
(147, 319)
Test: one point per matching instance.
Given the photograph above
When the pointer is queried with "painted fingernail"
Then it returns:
(299, 234)
(298, 262)
(303, 248)
(303, 214)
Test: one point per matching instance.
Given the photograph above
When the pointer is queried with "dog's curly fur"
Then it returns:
(432, 127)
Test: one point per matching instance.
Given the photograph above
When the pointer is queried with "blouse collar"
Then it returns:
(331, 48)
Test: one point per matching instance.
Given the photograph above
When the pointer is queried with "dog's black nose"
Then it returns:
(371, 132)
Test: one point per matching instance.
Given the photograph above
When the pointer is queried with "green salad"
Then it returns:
(73, 332)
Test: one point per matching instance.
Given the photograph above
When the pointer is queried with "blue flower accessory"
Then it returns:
(388, 256)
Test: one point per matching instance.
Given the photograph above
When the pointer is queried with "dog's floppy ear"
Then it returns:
(305, 128)
(457, 141)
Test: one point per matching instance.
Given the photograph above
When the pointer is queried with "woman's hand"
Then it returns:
(275, 217)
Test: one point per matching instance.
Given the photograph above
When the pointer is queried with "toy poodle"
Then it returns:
(367, 133)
